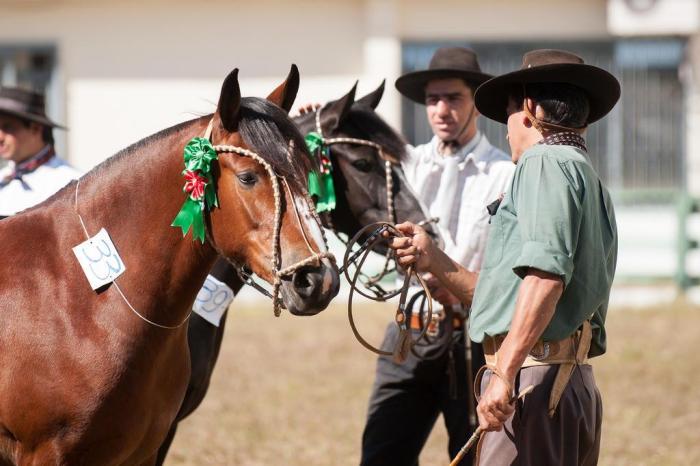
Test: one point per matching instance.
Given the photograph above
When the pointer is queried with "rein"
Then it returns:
(405, 343)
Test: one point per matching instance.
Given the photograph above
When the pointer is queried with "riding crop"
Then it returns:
(477, 433)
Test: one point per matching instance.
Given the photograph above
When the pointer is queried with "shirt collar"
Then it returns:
(465, 152)
(468, 152)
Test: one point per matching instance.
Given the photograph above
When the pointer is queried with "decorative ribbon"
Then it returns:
(321, 183)
(199, 186)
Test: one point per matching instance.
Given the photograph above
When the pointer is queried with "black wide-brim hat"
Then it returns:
(550, 66)
(447, 62)
(24, 104)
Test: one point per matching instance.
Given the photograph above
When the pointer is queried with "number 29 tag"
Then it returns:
(99, 259)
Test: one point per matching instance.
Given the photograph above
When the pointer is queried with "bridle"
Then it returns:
(375, 234)
(277, 271)
(370, 282)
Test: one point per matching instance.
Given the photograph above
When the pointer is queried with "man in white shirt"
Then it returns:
(33, 172)
(457, 175)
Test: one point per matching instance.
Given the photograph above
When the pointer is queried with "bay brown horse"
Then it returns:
(360, 180)
(84, 380)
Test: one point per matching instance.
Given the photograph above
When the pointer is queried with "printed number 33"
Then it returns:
(103, 261)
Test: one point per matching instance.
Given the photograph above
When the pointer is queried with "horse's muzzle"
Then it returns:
(311, 288)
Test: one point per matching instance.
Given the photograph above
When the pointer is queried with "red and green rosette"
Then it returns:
(321, 183)
(199, 187)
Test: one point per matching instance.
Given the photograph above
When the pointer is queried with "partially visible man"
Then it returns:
(33, 172)
(540, 303)
(456, 175)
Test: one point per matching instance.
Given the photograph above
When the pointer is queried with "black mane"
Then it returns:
(364, 123)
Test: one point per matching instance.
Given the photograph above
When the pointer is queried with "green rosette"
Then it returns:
(321, 183)
(198, 156)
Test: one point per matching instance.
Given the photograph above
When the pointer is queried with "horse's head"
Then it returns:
(246, 227)
(370, 183)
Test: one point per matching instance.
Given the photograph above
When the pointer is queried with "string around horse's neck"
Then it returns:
(116, 285)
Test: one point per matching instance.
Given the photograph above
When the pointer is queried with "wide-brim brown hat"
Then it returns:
(550, 66)
(447, 62)
(25, 104)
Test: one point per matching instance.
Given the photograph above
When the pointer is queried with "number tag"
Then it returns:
(99, 259)
(213, 300)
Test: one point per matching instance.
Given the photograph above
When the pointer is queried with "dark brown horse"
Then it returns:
(84, 380)
(361, 186)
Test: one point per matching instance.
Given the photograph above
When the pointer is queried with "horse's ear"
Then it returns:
(230, 102)
(372, 99)
(284, 95)
(337, 110)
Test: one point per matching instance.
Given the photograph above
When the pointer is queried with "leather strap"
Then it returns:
(416, 323)
(583, 344)
(496, 371)
(567, 354)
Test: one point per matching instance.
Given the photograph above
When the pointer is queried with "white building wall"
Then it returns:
(131, 68)
(503, 20)
(128, 68)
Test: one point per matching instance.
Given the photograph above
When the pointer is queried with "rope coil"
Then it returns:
(405, 343)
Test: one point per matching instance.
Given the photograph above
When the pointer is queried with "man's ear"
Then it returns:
(529, 107)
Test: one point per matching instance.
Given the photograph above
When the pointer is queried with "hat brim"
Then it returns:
(602, 88)
(412, 85)
(31, 117)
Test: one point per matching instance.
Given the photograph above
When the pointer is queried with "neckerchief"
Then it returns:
(28, 166)
(565, 138)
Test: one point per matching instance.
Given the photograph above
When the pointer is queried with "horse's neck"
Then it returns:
(135, 199)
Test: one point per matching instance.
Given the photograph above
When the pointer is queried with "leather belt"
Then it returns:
(567, 353)
(417, 325)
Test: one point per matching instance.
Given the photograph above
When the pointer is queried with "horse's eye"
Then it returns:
(247, 179)
(364, 165)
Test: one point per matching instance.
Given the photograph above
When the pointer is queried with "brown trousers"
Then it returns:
(532, 438)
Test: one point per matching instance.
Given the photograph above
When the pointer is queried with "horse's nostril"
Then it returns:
(301, 279)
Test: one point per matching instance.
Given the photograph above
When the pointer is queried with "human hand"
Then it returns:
(415, 248)
(496, 405)
(439, 292)
(308, 107)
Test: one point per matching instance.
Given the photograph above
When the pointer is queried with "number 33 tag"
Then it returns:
(99, 259)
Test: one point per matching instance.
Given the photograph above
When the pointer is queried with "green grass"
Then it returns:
(294, 391)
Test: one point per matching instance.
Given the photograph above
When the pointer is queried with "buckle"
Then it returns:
(540, 355)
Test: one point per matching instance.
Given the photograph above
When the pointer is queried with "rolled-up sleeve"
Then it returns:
(546, 197)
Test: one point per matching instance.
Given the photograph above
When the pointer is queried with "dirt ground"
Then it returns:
(294, 391)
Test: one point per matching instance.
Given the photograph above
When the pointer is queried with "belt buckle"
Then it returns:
(539, 356)
(434, 324)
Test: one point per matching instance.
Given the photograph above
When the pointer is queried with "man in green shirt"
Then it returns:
(540, 302)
